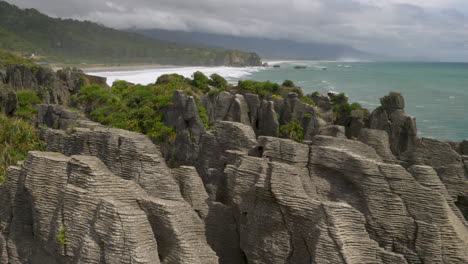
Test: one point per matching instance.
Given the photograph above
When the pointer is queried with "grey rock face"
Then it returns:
(449, 165)
(400, 127)
(268, 124)
(324, 106)
(8, 102)
(58, 117)
(53, 88)
(333, 131)
(293, 109)
(121, 202)
(248, 198)
(184, 117)
(106, 218)
(223, 104)
(253, 102)
(392, 102)
(378, 140)
(266, 116)
(464, 147)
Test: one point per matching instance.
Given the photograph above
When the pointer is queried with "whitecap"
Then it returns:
(419, 106)
(451, 97)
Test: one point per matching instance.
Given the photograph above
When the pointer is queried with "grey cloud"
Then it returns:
(391, 29)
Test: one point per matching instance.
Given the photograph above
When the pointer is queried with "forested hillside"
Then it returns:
(70, 41)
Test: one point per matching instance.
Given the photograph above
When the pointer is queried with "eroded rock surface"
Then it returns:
(246, 198)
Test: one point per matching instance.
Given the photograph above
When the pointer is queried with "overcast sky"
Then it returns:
(406, 28)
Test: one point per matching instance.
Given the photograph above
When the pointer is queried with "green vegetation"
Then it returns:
(131, 107)
(168, 78)
(298, 90)
(315, 94)
(27, 101)
(10, 58)
(260, 88)
(338, 98)
(292, 130)
(70, 41)
(344, 110)
(218, 81)
(288, 83)
(307, 100)
(200, 81)
(203, 115)
(17, 138)
(62, 235)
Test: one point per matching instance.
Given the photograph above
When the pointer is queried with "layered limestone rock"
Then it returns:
(264, 116)
(184, 117)
(248, 198)
(105, 218)
(391, 117)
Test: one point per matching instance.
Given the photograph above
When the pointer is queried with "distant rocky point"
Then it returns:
(359, 187)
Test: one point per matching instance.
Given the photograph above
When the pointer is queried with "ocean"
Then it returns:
(435, 93)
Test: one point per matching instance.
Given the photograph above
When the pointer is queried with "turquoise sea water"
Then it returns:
(435, 93)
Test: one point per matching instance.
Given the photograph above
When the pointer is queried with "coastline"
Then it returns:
(115, 68)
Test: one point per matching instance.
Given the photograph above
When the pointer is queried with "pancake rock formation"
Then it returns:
(375, 194)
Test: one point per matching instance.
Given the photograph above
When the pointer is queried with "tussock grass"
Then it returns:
(17, 138)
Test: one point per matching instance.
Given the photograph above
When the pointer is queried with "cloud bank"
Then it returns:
(436, 29)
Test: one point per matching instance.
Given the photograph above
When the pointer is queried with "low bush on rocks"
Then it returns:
(17, 138)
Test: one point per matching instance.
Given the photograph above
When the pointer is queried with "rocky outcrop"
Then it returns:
(238, 59)
(264, 116)
(184, 117)
(58, 117)
(8, 102)
(52, 87)
(240, 196)
(324, 106)
(391, 117)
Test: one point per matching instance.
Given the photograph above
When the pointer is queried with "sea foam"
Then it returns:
(147, 76)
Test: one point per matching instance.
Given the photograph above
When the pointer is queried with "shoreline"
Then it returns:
(116, 68)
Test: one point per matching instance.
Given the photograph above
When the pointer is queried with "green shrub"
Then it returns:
(133, 107)
(171, 78)
(292, 130)
(344, 110)
(307, 100)
(213, 92)
(298, 90)
(27, 101)
(17, 138)
(218, 81)
(288, 83)
(200, 81)
(260, 88)
(338, 98)
(315, 94)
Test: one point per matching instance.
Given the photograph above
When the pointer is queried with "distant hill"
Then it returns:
(286, 49)
(70, 41)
